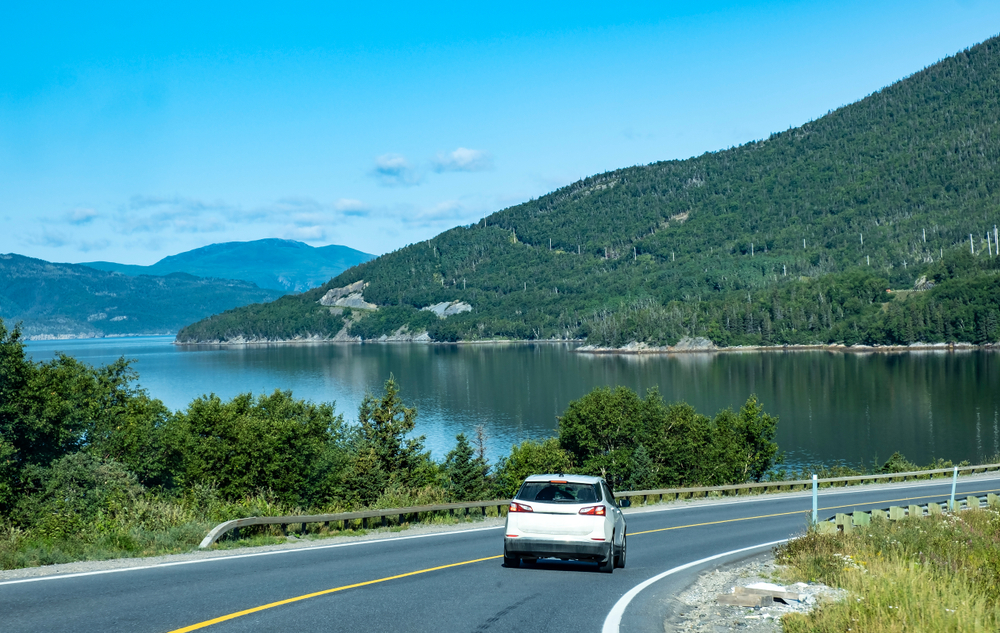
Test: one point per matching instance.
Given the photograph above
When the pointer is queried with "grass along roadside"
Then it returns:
(173, 527)
(153, 525)
(936, 574)
(148, 524)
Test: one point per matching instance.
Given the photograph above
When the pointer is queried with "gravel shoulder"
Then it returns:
(696, 610)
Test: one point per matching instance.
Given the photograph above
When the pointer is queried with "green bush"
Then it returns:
(77, 494)
(617, 434)
(289, 447)
(530, 457)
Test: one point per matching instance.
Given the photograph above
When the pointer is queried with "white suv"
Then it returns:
(567, 517)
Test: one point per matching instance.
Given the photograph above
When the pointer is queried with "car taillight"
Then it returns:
(593, 510)
(520, 507)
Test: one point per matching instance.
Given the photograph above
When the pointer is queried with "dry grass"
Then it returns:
(937, 574)
(152, 525)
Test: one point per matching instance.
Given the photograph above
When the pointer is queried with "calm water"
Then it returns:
(831, 406)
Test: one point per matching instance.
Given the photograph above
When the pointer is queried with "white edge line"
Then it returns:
(236, 556)
(614, 619)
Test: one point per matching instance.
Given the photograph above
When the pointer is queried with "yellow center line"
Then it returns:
(263, 607)
(232, 616)
(781, 514)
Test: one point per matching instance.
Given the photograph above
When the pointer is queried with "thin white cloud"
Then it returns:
(463, 159)
(309, 233)
(152, 214)
(87, 246)
(351, 207)
(49, 238)
(440, 216)
(393, 170)
(80, 216)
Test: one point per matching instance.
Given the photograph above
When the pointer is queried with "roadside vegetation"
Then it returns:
(937, 574)
(92, 467)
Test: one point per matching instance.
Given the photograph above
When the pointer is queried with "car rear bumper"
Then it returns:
(546, 548)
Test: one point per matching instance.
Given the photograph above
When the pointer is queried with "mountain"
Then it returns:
(790, 239)
(270, 263)
(70, 300)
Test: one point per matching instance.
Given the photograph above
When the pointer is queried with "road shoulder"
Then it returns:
(293, 544)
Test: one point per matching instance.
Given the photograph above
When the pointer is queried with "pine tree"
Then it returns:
(466, 472)
(385, 422)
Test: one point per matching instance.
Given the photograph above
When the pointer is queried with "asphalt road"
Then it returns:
(452, 581)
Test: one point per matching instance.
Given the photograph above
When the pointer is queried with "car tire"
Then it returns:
(511, 561)
(608, 565)
(620, 559)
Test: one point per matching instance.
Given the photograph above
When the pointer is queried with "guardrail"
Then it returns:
(365, 516)
(344, 518)
(848, 522)
(779, 486)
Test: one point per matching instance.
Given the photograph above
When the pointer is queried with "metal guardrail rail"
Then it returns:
(779, 486)
(848, 522)
(365, 516)
(344, 518)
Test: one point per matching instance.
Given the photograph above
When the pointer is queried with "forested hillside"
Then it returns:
(794, 238)
(76, 301)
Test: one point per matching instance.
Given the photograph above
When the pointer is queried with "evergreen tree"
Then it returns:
(466, 472)
(385, 423)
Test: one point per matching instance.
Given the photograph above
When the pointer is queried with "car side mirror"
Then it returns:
(624, 502)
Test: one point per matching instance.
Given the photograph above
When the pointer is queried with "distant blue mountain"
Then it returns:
(73, 301)
(270, 263)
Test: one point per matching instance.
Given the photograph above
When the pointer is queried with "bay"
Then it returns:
(833, 407)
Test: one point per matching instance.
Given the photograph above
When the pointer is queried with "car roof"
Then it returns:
(576, 479)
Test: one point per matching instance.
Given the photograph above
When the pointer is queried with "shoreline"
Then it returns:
(642, 349)
(85, 337)
(380, 341)
(632, 349)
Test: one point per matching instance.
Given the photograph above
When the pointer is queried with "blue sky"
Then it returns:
(129, 134)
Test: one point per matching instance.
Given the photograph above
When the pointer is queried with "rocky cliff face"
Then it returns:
(448, 308)
(350, 296)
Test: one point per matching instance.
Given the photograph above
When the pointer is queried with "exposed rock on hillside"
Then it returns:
(698, 343)
(349, 296)
(403, 335)
(686, 344)
(448, 308)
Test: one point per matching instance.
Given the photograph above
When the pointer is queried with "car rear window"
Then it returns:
(549, 492)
